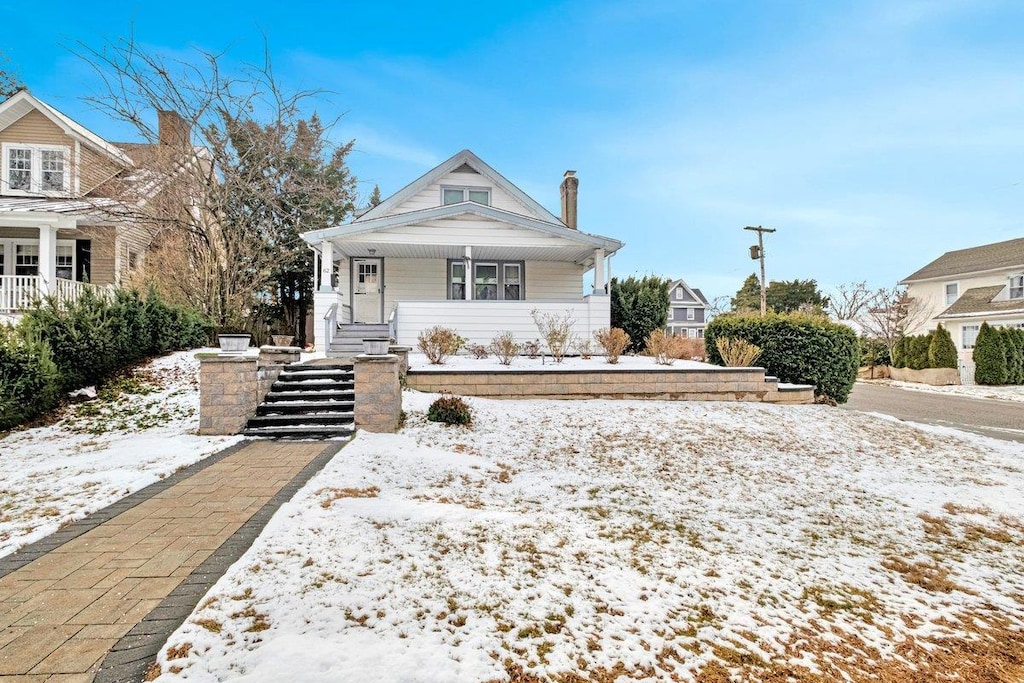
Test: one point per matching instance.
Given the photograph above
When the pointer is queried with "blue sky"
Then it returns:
(872, 135)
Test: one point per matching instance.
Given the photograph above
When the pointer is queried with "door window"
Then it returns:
(366, 278)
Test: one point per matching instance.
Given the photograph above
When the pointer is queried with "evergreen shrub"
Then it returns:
(29, 381)
(941, 350)
(451, 410)
(989, 356)
(795, 348)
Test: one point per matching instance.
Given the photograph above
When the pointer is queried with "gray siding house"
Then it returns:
(687, 310)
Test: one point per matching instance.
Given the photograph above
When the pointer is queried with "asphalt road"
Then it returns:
(998, 419)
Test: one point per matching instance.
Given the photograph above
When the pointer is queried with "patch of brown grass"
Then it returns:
(931, 577)
(179, 652)
(211, 625)
(153, 672)
(334, 494)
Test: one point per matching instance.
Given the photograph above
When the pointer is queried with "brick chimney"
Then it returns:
(570, 188)
(172, 130)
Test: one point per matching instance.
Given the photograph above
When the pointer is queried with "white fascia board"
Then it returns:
(364, 226)
(464, 157)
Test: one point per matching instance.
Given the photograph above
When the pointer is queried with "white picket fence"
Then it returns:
(967, 373)
(20, 292)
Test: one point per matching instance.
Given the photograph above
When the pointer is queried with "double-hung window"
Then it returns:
(952, 292)
(26, 259)
(455, 195)
(968, 335)
(489, 280)
(1017, 286)
(691, 313)
(35, 169)
(66, 261)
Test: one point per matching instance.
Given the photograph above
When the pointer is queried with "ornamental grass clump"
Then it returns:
(504, 346)
(737, 353)
(614, 341)
(437, 343)
(451, 410)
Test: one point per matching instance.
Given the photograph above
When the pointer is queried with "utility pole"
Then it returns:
(757, 252)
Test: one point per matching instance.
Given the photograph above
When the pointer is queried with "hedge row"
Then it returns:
(933, 350)
(58, 348)
(795, 348)
(999, 355)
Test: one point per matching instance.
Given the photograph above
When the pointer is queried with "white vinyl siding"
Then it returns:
(413, 279)
(548, 280)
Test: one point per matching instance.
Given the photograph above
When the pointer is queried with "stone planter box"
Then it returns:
(282, 339)
(376, 347)
(233, 343)
(936, 377)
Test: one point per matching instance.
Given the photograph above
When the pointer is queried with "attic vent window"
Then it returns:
(455, 195)
(35, 169)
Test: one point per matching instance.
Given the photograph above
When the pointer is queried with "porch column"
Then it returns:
(469, 273)
(326, 266)
(48, 259)
(599, 280)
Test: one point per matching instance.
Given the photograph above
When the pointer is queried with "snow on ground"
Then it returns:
(609, 541)
(1007, 393)
(139, 430)
(418, 361)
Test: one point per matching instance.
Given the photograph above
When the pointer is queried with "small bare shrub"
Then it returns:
(504, 346)
(531, 348)
(737, 353)
(662, 347)
(585, 349)
(692, 349)
(438, 343)
(478, 351)
(614, 341)
(450, 410)
(556, 330)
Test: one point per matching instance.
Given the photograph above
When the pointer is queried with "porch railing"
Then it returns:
(21, 292)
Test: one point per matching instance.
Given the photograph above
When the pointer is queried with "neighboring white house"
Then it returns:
(687, 311)
(961, 289)
(460, 247)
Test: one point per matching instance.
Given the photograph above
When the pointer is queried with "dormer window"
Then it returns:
(35, 169)
(1017, 286)
(455, 195)
(952, 292)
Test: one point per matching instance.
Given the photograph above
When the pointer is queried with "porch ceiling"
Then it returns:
(564, 253)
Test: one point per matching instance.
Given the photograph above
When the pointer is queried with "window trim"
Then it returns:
(36, 170)
(471, 277)
(945, 292)
(466, 189)
(963, 337)
(679, 293)
(691, 313)
(1009, 290)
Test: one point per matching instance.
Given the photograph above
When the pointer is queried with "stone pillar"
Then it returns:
(403, 359)
(378, 393)
(227, 392)
(270, 363)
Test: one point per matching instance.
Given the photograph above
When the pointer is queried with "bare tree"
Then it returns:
(216, 186)
(9, 81)
(850, 300)
(889, 314)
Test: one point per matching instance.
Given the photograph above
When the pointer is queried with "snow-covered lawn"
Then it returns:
(626, 540)
(139, 430)
(1008, 393)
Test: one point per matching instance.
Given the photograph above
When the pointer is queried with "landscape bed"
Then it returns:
(139, 430)
(622, 540)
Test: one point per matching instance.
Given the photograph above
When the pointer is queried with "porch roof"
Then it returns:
(68, 211)
(509, 235)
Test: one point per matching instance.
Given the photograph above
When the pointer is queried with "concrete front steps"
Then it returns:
(348, 339)
(307, 402)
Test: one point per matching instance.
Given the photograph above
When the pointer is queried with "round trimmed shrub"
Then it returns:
(451, 410)
(795, 347)
(989, 356)
(942, 351)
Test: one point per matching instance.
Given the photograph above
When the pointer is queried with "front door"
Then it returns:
(367, 290)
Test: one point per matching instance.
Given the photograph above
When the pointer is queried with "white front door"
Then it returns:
(367, 290)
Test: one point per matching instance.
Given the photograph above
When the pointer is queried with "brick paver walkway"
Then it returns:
(121, 586)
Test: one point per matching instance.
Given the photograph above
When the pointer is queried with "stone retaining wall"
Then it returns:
(712, 384)
(230, 387)
(936, 377)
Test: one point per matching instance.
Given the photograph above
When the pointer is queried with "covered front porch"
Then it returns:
(477, 280)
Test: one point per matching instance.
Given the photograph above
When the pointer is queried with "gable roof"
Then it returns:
(456, 163)
(451, 210)
(978, 301)
(1008, 254)
(23, 102)
(695, 293)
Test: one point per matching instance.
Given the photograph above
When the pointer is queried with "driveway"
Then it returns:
(990, 417)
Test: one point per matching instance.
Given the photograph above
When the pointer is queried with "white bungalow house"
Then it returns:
(460, 247)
